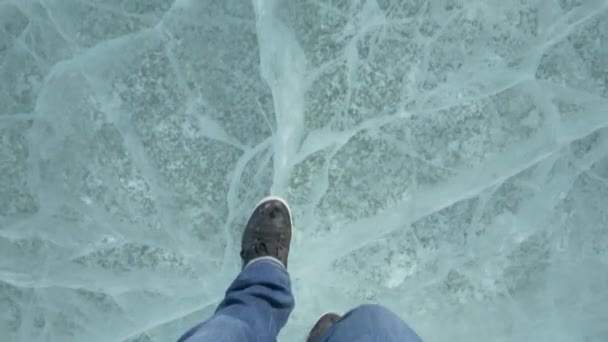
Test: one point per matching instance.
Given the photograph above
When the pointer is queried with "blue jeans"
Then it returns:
(259, 301)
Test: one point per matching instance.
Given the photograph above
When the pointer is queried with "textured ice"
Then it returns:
(445, 158)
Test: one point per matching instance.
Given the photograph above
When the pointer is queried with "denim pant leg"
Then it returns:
(255, 307)
(369, 323)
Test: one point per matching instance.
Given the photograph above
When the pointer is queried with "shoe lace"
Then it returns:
(260, 247)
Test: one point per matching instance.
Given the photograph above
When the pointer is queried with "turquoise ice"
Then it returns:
(445, 158)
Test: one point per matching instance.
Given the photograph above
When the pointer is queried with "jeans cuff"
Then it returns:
(266, 258)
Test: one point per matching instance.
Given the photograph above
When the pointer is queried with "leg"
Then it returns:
(255, 308)
(370, 323)
(259, 301)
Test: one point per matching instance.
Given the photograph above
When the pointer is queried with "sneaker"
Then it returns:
(268, 231)
(323, 324)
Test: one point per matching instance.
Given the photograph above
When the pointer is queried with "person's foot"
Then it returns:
(268, 231)
(323, 324)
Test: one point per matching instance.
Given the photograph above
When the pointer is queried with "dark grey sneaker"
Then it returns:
(268, 231)
(323, 324)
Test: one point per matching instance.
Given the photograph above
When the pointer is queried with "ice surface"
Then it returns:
(445, 158)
